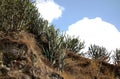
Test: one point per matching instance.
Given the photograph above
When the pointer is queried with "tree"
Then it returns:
(117, 57)
(99, 53)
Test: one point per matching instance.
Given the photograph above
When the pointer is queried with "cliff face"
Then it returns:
(21, 58)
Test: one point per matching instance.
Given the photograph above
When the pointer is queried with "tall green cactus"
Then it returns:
(54, 42)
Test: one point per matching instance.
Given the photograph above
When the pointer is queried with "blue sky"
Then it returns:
(93, 21)
(108, 10)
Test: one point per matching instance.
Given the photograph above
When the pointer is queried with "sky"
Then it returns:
(75, 10)
(94, 21)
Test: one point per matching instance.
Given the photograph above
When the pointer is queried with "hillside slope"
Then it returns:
(21, 58)
(82, 68)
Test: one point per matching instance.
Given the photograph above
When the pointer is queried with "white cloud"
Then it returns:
(49, 9)
(96, 31)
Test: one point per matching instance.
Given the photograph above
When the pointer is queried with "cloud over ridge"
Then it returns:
(96, 31)
(49, 9)
(92, 31)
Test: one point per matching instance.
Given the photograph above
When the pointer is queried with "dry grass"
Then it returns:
(83, 68)
(30, 69)
(76, 67)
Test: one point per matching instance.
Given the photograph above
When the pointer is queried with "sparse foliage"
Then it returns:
(52, 45)
(117, 57)
(73, 44)
(97, 52)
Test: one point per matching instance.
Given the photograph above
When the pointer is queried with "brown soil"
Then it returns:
(21, 58)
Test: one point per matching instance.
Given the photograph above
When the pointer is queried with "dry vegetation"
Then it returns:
(31, 48)
(21, 58)
(83, 68)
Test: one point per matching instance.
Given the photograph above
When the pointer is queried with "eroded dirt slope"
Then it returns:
(21, 58)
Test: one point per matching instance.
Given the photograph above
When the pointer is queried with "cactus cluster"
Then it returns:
(97, 52)
(73, 44)
(116, 57)
(22, 15)
(52, 44)
(17, 15)
(55, 44)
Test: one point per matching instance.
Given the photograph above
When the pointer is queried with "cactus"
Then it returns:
(17, 15)
(97, 52)
(73, 44)
(116, 57)
(52, 44)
